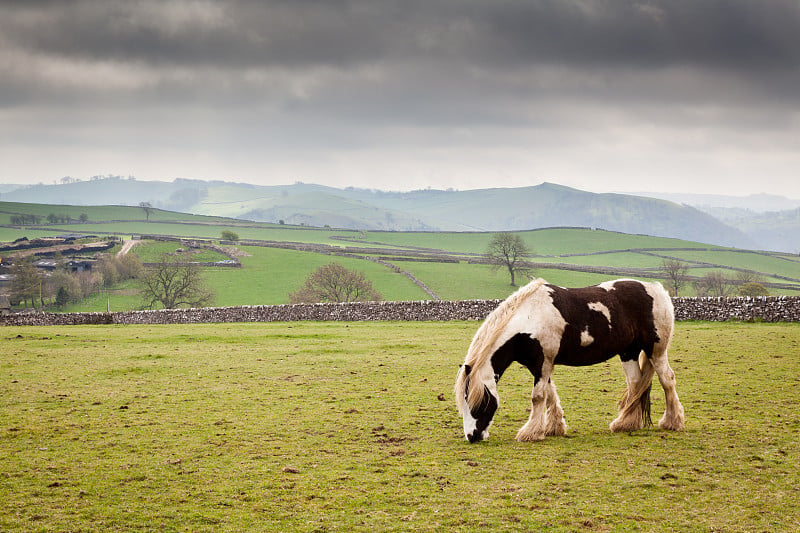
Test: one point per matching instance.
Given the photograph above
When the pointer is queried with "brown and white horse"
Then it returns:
(543, 325)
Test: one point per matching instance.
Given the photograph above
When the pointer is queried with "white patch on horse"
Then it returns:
(663, 311)
(470, 424)
(586, 338)
(602, 309)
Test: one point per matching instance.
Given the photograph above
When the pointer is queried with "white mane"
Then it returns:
(484, 342)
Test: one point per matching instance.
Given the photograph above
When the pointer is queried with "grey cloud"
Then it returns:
(430, 55)
(278, 76)
(729, 33)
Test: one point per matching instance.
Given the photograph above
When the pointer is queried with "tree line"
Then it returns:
(713, 283)
(52, 218)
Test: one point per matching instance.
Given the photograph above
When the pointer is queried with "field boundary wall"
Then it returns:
(766, 309)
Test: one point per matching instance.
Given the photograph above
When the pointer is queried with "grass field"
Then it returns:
(268, 275)
(340, 427)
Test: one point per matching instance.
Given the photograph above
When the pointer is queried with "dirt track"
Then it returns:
(126, 247)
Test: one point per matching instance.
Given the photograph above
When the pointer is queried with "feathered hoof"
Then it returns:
(673, 423)
(621, 425)
(558, 429)
(529, 436)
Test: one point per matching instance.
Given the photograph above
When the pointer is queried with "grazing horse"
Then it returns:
(543, 325)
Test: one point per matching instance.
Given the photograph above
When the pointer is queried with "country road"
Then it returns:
(126, 247)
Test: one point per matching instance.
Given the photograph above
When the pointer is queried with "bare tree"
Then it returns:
(748, 276)
(27, 282)
(62, 282)
(717, 284)
(175, 283)
(335, 283)
(147, 209)
(509, 250)
(700, 288)
(675, 271)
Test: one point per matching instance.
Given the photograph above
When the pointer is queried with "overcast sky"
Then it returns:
(608, 95)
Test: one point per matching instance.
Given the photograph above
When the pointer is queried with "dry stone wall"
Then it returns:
(767, 309)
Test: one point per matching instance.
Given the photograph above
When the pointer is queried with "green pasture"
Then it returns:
(464, 281)
(611, 259)
(552, 241)
(268, 275)
(351, 427)
(10, 234)
(700, 271)
(781, 264)
(124, 296)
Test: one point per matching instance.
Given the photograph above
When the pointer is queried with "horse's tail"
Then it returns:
(639, 397)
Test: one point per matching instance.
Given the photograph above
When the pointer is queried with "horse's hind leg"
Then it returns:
(556, 424)
(631, 414)
(673, 418)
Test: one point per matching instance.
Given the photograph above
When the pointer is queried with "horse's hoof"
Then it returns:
(671, 425)
(620, 426)
(558, 430)
(530, 437)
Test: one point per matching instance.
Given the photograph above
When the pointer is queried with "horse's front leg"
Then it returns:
(556, 424)
(536, 426)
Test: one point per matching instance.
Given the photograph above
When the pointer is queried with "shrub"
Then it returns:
(228, 235)
(753, 289)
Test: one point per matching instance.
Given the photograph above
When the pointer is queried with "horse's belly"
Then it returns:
(584, 356)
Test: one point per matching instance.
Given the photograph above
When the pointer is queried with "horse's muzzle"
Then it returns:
(475, 436)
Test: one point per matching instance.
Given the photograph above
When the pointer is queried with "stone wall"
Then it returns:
(765, 308)
(768, 309)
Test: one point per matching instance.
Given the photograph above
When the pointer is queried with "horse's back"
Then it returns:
(621, 317)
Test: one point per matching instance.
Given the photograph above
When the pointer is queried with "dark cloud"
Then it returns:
(730, 33)
(343, 74)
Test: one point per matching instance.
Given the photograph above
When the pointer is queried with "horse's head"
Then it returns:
(477, 400)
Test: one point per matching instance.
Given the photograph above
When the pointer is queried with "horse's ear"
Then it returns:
(467, 370)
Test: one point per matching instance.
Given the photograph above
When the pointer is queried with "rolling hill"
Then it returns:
(275, 258)
(509, 209)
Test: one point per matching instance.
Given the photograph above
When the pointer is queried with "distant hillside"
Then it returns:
(178, 195)
(549, 205)
(545, 205)
(774, 230)
(754, 202)
(770, 220)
